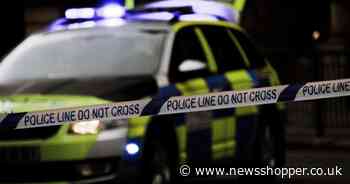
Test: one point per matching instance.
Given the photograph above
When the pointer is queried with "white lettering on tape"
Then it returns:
(184, 104)
(120, 110)
(324, 89)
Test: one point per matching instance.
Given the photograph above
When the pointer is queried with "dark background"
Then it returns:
(318, 131)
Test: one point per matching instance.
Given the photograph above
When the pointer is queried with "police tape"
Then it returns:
(167, 104)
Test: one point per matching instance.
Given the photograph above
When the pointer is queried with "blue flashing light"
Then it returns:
(201, 7)
(57, 25)
(108, 15)
(111, 10)
(132, 148)
(80, 13)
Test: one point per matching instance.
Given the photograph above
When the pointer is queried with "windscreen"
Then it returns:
(85, 54)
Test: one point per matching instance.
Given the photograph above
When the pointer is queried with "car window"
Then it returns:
(224, 49)
(256, 59)
(86, 53)
(187, 51)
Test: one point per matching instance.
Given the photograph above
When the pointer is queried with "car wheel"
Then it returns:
(267, 148)
(270, 144)
(159, 159)
(270, 148)
(159, 166)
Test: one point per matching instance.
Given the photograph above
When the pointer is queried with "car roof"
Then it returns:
(113, 24)
(159, 14)
(137, 25)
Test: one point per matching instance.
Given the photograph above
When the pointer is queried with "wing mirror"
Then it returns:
(191, 65)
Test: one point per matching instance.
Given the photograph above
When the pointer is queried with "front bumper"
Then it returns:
(63, 157)
(86, 171)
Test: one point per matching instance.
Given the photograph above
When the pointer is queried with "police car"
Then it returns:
(108, 54)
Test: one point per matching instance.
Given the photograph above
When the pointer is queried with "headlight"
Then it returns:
(93, 127)
(85, 127)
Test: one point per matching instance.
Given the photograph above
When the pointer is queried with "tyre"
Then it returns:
(270, 144)
(158, 166)
(160, 155)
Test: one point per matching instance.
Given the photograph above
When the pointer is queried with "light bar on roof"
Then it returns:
(221, 10)
(80, 13)
(111, 11)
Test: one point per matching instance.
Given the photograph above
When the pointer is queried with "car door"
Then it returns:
(189, 66)
(272, 126)
(232, 129)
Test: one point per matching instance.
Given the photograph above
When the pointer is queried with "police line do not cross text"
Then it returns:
(181, 104)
